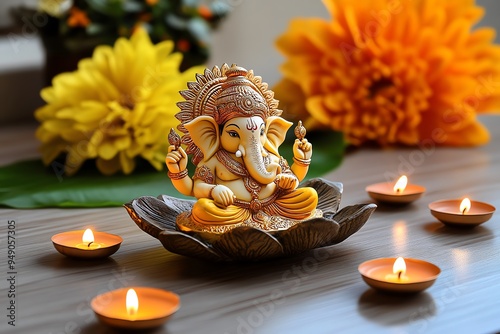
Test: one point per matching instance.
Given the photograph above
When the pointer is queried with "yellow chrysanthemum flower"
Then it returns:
(118, 105)
(393, 71)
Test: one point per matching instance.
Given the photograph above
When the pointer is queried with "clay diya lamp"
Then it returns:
(399, 193)
(136, 308)
(399, 275)
(86, 244)
(466, 213)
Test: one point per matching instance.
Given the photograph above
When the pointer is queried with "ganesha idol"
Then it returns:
(233, 128)
(250, 202)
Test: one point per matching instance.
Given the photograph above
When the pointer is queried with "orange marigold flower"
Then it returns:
(78, 18)
(393, 71)
(205, 12)
(151, 2)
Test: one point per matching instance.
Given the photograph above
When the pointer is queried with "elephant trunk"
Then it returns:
(254, 162)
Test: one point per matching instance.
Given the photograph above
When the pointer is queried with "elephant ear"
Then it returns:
(204, 132)
(276, 128)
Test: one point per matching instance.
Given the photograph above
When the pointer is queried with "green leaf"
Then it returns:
(29, 184)
(113, 8)
(132, 6)
(95, 28)
(176, 21)
(200, 30)
(328, 151)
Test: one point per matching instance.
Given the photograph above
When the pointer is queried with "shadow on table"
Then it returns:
(390, 310)
(162, 266)
(438, 228)
(393, 207)
(98, 328)
(58, 261)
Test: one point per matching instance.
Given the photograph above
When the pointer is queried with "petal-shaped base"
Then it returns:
(157, 217)
(248, 243)
(184, 244)
(308, 235)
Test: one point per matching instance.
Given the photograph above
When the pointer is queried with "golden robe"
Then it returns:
(297, 204)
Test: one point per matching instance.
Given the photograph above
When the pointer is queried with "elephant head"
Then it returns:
(250, 139)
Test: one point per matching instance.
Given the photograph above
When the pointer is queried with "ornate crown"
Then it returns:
(224, 94)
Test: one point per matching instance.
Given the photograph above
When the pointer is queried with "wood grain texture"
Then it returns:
(318, 292)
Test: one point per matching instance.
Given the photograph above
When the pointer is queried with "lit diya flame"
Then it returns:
(132, 302)
(400, 186)
(88, 237)
(399, 267)
(465, 206)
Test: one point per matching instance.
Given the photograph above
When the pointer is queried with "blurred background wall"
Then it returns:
(246, 37)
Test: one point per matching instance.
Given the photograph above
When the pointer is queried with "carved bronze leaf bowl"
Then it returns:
(157, 217)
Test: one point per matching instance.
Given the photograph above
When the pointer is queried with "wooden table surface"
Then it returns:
(318, 292)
